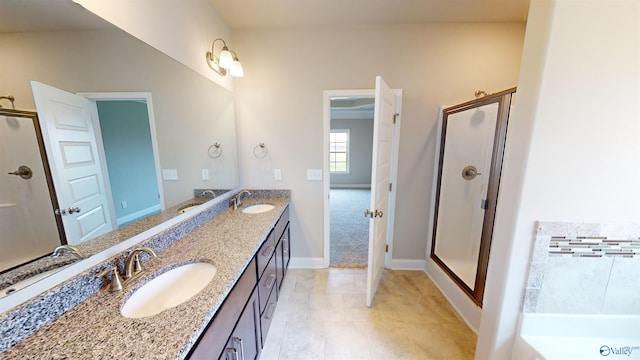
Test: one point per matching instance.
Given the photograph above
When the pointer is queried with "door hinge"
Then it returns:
(390, 187)
(386, 248)
(395, 116)
(484, 204)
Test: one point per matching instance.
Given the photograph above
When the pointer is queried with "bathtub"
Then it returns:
(577, 337)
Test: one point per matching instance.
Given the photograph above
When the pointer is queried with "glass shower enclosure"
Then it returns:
(472, 141)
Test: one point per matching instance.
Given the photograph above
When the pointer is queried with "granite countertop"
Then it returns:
(96, 329)
(95, 245)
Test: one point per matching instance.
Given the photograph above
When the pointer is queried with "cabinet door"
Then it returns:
(279, 266)
(245, 342)
(286, 250)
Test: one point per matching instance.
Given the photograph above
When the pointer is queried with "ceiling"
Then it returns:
(251, 14)
(60, 15)
(46, 15)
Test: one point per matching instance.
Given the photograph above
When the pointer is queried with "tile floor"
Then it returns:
(322, 315)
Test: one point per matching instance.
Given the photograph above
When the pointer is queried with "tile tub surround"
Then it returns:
(228, 241)
(584, 268)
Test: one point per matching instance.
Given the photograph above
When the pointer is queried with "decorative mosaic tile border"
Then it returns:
(593, 262)
(593, 246)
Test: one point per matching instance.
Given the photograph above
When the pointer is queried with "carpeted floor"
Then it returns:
(349, 230)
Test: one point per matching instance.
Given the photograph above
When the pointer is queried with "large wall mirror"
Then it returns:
(62, 45)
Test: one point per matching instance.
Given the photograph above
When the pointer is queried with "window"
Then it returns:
(339, 151)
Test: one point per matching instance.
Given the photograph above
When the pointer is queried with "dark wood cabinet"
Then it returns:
(245, 342)
(240, 326)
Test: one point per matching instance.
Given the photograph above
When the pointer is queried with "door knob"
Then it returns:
(470, 172)
(23, 171)
(60, 212)
(368, 213)
(72, 210)
(377, 214)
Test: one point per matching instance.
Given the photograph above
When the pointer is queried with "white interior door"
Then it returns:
(381, 170)
(67, 122)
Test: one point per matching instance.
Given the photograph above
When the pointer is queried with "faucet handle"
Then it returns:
(115, 283)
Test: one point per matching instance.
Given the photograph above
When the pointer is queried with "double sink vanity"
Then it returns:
(210, 294)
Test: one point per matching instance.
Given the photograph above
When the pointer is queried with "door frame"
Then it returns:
(326, 181)
(131, 96)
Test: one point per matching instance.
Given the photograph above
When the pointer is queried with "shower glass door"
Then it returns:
(472, 144)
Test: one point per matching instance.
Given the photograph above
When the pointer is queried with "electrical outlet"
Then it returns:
(277, 174)
(169, 174)
(205, 174)
(314, 174)
(124, 204)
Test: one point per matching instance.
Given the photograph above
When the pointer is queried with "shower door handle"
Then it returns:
(470, 172)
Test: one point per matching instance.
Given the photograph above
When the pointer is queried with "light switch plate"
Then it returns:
(277, 174)
(205, 174)
(169, 174)
(314, 174)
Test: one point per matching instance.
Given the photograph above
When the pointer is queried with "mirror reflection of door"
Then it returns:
(104, 164)
(472, 145)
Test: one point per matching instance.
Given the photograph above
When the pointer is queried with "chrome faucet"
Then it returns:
(237, 200)
(132, 266)
(204, 193)
(132, 269)
(70, 249)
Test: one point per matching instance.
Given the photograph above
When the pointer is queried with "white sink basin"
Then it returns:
(170, 289)
(187, 208)
(257, 208)
(28, 281)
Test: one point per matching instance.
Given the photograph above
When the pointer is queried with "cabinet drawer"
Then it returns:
(264, 254)
(267, 316)
(282, 223)
(267, 283)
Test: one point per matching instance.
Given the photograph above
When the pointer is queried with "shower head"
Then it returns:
(11, 99)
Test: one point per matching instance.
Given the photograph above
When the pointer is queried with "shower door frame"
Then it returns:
(47, 172)
(504, 99)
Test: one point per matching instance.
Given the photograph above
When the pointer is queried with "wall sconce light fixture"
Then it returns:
(227, 60)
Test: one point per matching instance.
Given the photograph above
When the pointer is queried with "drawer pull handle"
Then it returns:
(239, 341)
(268, 250)
(271, 281)
(232, 352)
(269, 315)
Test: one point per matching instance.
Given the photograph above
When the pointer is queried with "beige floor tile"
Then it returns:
(322, 315)
(303, 340)
(347, 340)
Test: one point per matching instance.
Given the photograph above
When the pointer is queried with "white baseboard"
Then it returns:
(351, 186)
(466, 309)
(306, 263)
(137, 215)
(407, 264)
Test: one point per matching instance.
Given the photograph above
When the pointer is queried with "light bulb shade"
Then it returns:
(236, 69)
(226, 59)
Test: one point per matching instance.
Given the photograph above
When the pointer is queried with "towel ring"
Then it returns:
(260, 150)
(215, 151)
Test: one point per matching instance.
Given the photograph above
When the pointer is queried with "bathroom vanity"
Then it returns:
(230, 315)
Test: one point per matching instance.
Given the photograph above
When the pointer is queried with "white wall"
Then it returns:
(183, 30)
(574, 142)
(279, 101)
